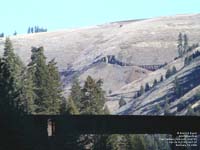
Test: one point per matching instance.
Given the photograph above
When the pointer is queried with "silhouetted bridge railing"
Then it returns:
(112, 124)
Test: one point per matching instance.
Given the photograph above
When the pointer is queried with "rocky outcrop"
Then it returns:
(111, 59)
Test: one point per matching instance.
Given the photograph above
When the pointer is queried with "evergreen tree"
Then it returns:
(71, 141)
(39, 71)
(76, 93)
(12, 102)
(147, 87)
(113, 142)
(11, 127)
(173, 70)
(12, 60)
(2, 35)
(63, 107)
(128, 141)
(32, 30)
(92, 102)
(54, 88)
(93, 98)
(155, 82)
(122, 102)
(191, 112)
(29, 30)
(137, 142)
(185, 43)
(177, 88)
(158, 108)
(168, 73)
(14, 65)
(141, 90)
(27, 93)
(35, 29)
(100, 142)
(186, 61)
(180, 45)
(8, 94)
(15, 33)
(161, 78)
(40, 77)
(167, 107)
(46, 82)
(71, 107)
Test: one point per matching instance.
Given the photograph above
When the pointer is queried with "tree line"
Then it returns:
(190, 58)
(36, 29)
(183, 45)
(2, 34)
(147, 87)
(36, 89)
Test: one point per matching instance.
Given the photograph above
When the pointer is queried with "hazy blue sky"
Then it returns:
(58, 14)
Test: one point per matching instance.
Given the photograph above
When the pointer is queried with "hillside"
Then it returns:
(150, 41)
(163, 96)
(120, 53)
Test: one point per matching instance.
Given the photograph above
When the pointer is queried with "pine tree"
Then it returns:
(155, 82)
(14, 65)
(54, 88)
(186, 61)
(113, 142)
(147, 87)
(29, 30)
(141, 90)
(15, 33)
(93, 97)
(2, 35)
(136, 142)
(168, 73)
(46, 82)
(177, 88)
(71, 107)
(88, 96)
(185, 43)
(12, 60)
(71, 141)
(122, 102)
(191, 112)
(32, 30)
(174, 70)
(100, 142)
(7, 94)
(128, 142)
(158, 108)
(180, 45)
(167, 107)
(27, 93)
(161, 78)
(39, 71)
(76, 93)
(10, 110)
(92, 102)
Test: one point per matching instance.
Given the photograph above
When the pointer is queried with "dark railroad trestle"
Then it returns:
(110, 124)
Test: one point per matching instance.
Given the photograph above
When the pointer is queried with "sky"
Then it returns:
(62, 14)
